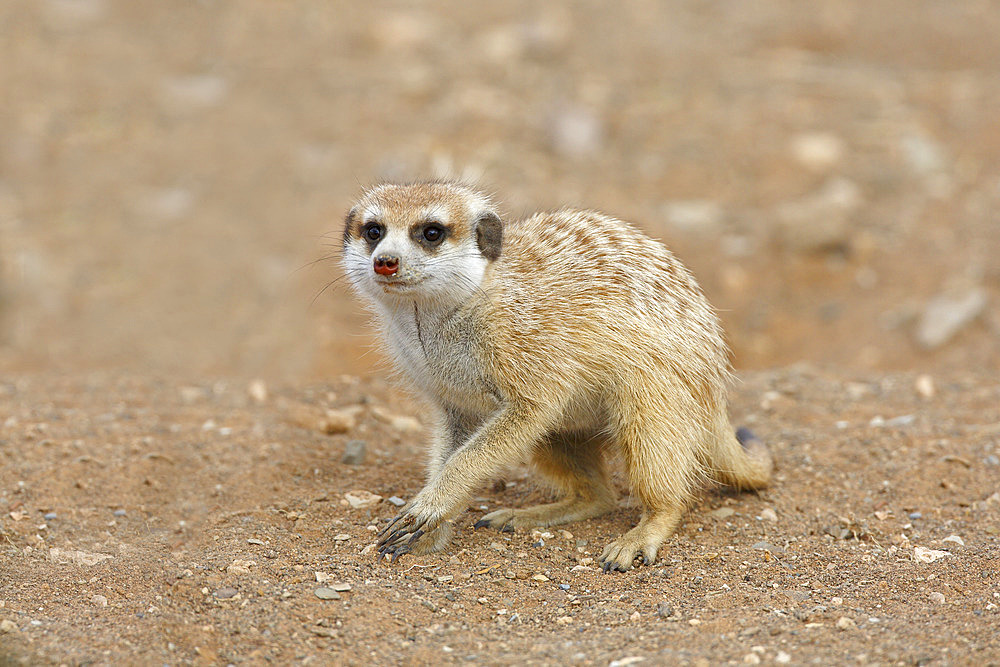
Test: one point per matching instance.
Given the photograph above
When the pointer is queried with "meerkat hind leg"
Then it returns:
(661, 463)
(574, 464)
(643, 540)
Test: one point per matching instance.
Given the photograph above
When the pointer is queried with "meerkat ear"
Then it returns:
(348, 222)
(489, 235)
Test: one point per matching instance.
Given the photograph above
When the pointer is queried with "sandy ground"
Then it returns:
(172, 181)
(160, 524)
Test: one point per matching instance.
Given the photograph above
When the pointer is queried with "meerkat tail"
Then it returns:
(739, 459)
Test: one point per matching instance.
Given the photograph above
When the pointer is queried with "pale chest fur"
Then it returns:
(434, 348)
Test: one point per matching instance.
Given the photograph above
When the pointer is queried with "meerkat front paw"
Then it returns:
(402, 535)
(433, 541)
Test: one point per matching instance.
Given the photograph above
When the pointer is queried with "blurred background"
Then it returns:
(170, 171)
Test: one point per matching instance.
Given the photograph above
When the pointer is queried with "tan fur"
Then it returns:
(583, 335)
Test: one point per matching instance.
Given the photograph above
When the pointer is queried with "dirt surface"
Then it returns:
(172, 180)
(197, 493)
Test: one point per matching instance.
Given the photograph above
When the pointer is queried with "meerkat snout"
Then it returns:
(386, 265)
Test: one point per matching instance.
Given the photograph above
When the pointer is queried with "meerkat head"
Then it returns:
(420, 242)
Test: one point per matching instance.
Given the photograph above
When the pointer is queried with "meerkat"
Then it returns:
(560, 339)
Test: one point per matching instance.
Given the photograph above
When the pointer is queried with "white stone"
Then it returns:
(194, 93)
(925, 386)
(359, 498)
(817, 151)
(576, 132)
(946, 314)
(693, 214)
(925, 555)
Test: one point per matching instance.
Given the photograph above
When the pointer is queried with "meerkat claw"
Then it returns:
(482, 523)
(401, 539)
(392, 523)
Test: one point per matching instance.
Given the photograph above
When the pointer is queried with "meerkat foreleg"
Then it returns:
(504, 440)
(454, 430)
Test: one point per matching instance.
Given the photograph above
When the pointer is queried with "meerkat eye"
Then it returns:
(372, 232)
(434, 233)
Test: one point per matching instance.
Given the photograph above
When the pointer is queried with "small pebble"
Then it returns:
(782, 658)
(565, 587)
(119, 512)
(354, 452)
(916, 515)
(444, 579)
(767, 546)
(540, 577)
(257, 391)
(845, 623)
(327, 593)
(360, 498)
(925, 386)
(99, 600)
(664, 610)
(430, 605)
(992, 460)
(259, 543)
(954, 539)
(7, 626)
(226, 593)
(397, 501)
(768, 514)
(342, 537)
(902, 420)
(937, 597)
(751, 659)
(925, 555)
(341, 587)
(337, 421)
(51, 516)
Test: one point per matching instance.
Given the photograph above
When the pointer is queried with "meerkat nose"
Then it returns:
(386, 265)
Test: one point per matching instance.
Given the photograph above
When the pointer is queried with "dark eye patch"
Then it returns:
(372, 233)
(429, 234)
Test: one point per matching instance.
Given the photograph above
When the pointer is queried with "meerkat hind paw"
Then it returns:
(621, 554)
(504, 520)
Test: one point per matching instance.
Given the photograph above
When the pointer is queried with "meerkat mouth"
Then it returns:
(396, 285)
